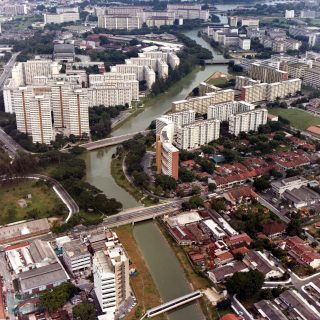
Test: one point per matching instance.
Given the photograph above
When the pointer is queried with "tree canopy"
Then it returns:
(245, 284)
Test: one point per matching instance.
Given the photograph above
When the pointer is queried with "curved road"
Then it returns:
(57, 187)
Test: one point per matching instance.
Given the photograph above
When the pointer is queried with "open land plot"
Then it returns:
(15, 204)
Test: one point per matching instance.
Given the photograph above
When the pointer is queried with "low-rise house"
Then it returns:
(256, 260)
(238, 241)
(297, 307)
(223, 257)
(222, 273)
(301, 251)
(274, 229)
(238, 195)
(269, 311)
(290, 160)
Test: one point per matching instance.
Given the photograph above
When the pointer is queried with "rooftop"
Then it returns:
(269, 310)
(42, 276)
(23, 229)
(75, 248)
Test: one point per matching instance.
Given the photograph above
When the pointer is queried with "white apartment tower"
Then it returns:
(247, 121)
(21, 101)
(223, 111)
(40, 119)
(196, 134)
(60, 92)
(111, 278)
(78, 112)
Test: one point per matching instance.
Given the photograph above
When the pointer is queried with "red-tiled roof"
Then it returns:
(272, 228)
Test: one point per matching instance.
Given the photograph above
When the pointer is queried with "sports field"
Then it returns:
(298, 118)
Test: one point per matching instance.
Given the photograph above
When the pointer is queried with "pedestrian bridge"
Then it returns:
(107, 142)
(170, 305)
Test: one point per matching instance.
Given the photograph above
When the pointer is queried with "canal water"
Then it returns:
(162, 262)
(98, 162)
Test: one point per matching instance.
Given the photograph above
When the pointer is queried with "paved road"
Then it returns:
(111, 141)
(273, 209)
(240, 309)
(58, 188)
(7, 69)
(140, 214)
(10, 146)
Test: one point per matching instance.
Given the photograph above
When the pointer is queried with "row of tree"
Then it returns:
(100, 120)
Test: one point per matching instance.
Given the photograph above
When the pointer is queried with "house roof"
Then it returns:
(267, 308)
(272, 228)
(231, 316)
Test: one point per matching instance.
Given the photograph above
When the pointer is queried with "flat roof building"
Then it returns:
(76, 255)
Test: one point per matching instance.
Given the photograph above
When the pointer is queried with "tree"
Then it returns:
(294, 227)
(245, 284)
(167, 183)
(84, 311)
(212, 187)
(196, 202)
(261, 183)
(193, 203)
(58, 296)
(186, 175)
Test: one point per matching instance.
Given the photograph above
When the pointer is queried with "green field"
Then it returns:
(298, 118)
(43, 203)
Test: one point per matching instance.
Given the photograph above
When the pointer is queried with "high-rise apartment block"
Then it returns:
(289, 14)
(14, 9)
(188, 11)
(197, 134)
(40, 119)
(119, 21)
(267, 91)
(63, 14)
(312, 77)
(267, 73)
(111, 278)
(148, 65)
(233, 21)
(201, 104)
(247, 121)
(133, 17)
(167, 155)
(254, 93)
(111, 89)
(223, 111)
(242, 81)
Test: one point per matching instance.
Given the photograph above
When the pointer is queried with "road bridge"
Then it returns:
(173, 304)
(142, 214)
(107, 142)
(217, 61)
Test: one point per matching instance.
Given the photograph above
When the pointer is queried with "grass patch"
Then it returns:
(43, 203)
(218, 81)
(298, 118)
(142, 283)
(121, 180)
